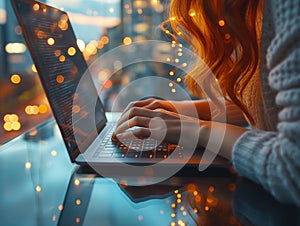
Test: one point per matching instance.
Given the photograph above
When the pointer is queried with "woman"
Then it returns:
(253, 49)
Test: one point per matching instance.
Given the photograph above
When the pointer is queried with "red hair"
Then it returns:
(225, 34)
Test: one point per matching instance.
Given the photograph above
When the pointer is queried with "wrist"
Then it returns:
(221, 136)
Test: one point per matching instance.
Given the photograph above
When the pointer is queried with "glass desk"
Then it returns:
(40, 186)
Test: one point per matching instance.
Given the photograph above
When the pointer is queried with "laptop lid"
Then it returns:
(60, 65)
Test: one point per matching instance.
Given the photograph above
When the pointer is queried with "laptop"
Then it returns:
(60, 65)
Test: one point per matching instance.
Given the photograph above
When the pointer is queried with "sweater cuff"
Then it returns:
(250, 153)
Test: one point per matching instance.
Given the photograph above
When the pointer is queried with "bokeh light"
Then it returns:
(71, 51)
(36, 7)
(51, 41)
(15, 79)
(127, 41)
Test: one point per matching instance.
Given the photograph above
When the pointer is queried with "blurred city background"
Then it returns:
(99, 25)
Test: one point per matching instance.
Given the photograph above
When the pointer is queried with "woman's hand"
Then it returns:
(157, 119)
(152, 104)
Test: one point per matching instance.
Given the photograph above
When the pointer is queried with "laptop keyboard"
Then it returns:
(135, 148)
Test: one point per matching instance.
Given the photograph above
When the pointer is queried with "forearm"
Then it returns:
(203, 110)
(197, 108)
(225, 134)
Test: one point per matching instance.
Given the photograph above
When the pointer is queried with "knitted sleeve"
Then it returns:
(272, 159)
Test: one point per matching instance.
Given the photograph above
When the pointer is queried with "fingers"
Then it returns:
(172, 131)
(151, 104)
(159, 104)
(135, 111)
(169, 132)
(142, 113)
(141, 133)
(135, 121)
(140, 103)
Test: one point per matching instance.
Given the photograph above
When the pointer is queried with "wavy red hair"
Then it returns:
(225, 34)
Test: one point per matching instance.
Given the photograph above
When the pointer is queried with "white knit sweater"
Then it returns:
(271, 157)
(270, 154)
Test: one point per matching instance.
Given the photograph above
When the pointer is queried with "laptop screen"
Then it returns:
(60, 65)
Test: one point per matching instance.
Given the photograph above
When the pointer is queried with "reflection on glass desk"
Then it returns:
(39, 186)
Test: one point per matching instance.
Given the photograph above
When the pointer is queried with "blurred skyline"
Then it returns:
(90, 17)
(100, 26)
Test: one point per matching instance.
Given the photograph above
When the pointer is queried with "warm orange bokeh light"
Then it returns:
(71, 51)
(16, 126)
(231, 187)
(62, 58)
(36, 7)
(13, 118)
(28, 110)
(60, 79)
(104, 39)
(192, 12)
(108, 84)
(155, 2)
(63, 25)
(43, 108)
(76, 109)
(7, 126)
(57, 53)
(140, 11)
(227, 37)
(127, 41)
(15, 79)
(11, 122)
(51, 41)
(197, 198)
(221, 23)
(33, 68)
